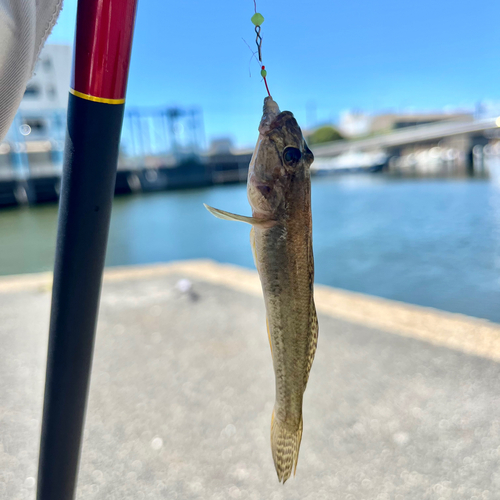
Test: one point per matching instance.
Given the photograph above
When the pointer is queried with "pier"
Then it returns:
(153, 156)
(402, 400)
(40, 182)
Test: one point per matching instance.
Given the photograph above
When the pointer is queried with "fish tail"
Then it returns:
(285, 444)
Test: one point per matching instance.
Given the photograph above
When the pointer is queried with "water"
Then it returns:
(428, 242)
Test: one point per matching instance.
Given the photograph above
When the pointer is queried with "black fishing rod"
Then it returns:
(103, 43)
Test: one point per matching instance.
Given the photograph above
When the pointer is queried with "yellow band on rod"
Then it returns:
(96, 99)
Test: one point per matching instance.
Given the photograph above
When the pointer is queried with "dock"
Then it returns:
(41, 182)
(402, 401)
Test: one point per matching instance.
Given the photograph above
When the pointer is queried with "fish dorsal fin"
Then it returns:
(222, 214)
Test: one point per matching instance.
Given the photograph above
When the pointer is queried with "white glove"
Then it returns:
(24, 27)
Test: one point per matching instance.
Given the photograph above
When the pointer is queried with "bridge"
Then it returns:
(420, 134)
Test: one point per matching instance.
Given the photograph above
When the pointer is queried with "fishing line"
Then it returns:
(257, 19)
(252, 57)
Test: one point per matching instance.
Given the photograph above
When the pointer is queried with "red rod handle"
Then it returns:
(103, 44)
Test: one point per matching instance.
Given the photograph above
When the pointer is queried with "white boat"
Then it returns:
(350, 162)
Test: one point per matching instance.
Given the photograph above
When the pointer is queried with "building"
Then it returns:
(46, 97)
(48, 88)
(31, 155)
(354, 124)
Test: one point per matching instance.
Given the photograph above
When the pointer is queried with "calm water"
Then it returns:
(429, 242)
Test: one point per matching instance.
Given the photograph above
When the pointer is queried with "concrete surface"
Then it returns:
(403, 402)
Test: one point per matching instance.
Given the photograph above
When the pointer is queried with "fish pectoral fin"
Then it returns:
(222, 214)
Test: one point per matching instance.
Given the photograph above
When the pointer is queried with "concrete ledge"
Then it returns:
(454, 331)
(182, 393)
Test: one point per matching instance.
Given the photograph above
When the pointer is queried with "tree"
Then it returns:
(324, 134)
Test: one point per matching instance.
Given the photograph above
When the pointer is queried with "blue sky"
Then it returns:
(323, 56)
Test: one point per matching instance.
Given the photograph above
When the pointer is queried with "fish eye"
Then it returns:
(291, 155)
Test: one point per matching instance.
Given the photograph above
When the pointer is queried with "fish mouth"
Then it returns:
(269, 113)
(273, 118)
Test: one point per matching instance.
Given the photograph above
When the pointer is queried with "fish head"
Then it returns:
(280, 162)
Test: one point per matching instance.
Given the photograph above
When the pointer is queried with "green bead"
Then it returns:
(257, 19)
(263, 73)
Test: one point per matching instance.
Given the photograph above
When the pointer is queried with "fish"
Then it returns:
(279, 193)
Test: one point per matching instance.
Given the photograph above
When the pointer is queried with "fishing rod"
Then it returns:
(103, 44)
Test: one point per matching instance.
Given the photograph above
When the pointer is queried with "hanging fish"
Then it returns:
(279, 192)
